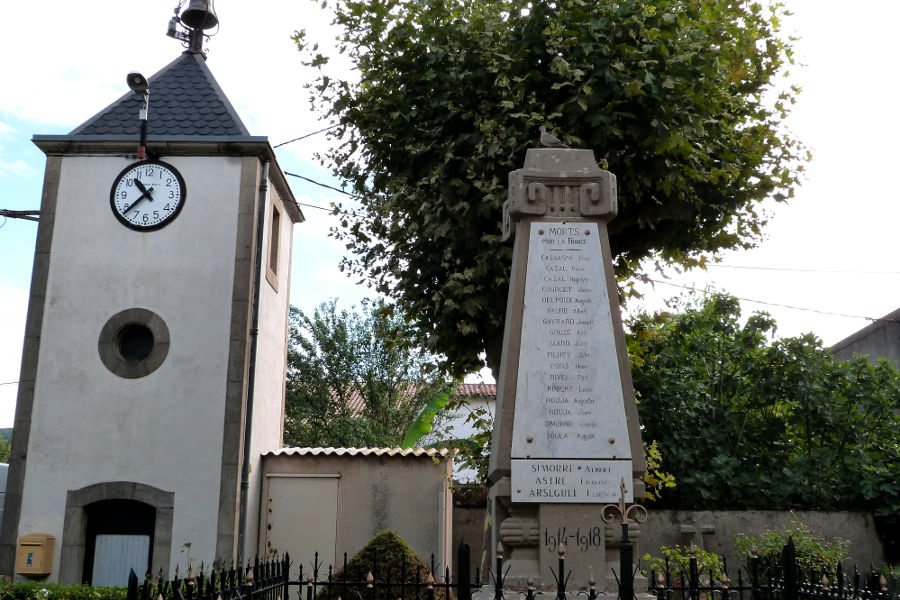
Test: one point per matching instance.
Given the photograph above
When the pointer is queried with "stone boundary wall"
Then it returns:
(713, 531)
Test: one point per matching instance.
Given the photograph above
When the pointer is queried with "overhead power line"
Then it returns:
(802, 270)
(303, 137)
(314, 206)
(324, 185)
(763, 302)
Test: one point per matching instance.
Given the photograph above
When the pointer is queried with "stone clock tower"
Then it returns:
(154, 357)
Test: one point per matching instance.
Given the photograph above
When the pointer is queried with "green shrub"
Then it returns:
(813, 551)
(388, 552)
(889, 571)
(35, 590)
(709, 565)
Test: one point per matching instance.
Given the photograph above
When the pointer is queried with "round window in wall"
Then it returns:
(134, 343)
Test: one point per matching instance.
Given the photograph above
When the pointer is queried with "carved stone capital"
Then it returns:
(560, 183)
(519, 532)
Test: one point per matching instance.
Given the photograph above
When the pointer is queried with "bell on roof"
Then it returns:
(200, 14)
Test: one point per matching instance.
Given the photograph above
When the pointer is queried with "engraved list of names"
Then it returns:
(570, 437)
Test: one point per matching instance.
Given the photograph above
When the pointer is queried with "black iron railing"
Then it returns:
(267, 580)
(397, 580)
(771, 580)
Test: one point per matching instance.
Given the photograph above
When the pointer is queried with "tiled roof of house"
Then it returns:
(185, 100)
(476, 390)
(358, 452)
(463, 390)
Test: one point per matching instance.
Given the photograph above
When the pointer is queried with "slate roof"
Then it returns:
(185, 100)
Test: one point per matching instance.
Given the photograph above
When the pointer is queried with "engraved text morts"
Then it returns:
(570, 441)
(566, 431)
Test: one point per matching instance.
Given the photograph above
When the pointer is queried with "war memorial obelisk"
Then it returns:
(566, 431)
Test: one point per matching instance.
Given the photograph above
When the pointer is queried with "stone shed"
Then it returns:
(334, 500)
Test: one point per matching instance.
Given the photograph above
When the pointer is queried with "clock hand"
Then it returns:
(147, 194)
(140, 185)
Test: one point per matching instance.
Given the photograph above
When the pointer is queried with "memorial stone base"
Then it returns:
(532, 536)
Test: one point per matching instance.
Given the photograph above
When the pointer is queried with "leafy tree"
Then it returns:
(745, 420)
(352, 380)
(450, 94)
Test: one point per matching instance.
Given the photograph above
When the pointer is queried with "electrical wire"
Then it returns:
(801, 270)
(324, 185)
(314, 206)
(764, 303)
(8, 382)
(303, 137)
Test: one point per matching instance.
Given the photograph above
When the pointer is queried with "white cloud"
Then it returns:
(13, 307)
(18, 168)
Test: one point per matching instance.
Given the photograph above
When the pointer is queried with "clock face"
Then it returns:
(147, 195)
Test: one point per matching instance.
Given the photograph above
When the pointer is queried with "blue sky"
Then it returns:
(837, 240)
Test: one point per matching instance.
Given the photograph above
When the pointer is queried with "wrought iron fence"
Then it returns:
(771, 580)
(380, 578)
(267, 580)
(270, 580)
(386, 579)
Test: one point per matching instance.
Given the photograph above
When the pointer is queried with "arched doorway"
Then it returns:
(119, 538)
(115, 522)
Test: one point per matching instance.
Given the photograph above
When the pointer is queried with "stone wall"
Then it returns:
(713, 531)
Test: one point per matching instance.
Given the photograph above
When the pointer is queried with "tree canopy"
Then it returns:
(670, 94)
(352, 381)
(747, 421)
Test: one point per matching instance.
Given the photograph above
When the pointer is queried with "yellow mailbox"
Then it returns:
(34, 556)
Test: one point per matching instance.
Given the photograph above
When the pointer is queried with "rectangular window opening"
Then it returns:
(274, 237)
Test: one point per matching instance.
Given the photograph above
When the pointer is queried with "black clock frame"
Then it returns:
(171, 217)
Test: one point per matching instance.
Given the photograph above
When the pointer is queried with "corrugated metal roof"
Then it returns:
(185, 100)
(357, 452)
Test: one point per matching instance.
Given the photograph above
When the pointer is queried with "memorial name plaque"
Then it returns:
(569, 397)
(570, 480)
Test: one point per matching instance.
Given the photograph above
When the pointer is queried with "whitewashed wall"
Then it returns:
(268, 403)
(165, 429)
